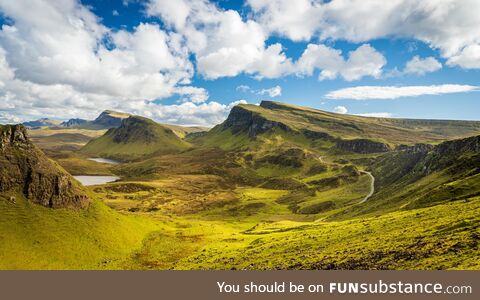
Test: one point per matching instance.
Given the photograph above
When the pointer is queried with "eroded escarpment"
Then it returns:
(25, 169)
(241, 119)
(362, 146)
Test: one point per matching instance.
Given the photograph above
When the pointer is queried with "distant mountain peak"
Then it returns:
(43, 122)
(110, 119)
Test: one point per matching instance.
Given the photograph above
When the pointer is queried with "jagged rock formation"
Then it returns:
(109, 119)
(241, 119)
(362, 146)
(417, 148)
(74, 123)
(25, 169)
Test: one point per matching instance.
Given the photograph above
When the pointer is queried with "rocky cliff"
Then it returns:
(109, 119)
(362, 146)
(25, 169)
(241, 119)
(74, 123)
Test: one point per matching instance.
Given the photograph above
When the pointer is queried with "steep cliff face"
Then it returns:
(362, 146)
(109, 119)
(457, 155)
(74, 123)
(241, 119)
(24, 168)
(417, 148)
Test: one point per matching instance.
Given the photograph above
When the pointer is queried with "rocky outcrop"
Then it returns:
(417, 148)
(74, 123)
(316, 135)
(109, 119)
(25, 169)
(241, 119)
(364, 146)
(471, 144)
(457, 155)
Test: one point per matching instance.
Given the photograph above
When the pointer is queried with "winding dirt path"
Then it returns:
(372, 187)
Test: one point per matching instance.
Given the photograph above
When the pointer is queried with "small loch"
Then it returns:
(105, 160)
(87, 180)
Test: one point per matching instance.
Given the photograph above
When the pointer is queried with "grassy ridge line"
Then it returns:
(349, 127)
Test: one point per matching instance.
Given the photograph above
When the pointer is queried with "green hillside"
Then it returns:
(136, 137)
(35, 237)
(254, 120)
(275, 186)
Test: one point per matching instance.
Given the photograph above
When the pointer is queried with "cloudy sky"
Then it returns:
(189, 61)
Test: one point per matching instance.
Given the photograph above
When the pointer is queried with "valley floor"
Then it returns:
(441, 237)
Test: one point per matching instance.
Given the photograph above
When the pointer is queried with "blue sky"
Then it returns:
(212, 55)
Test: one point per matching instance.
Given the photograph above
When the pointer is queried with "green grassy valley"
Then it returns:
(275, 186)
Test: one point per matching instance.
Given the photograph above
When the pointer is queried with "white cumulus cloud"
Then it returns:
(448, 25)
(271, 92)
(224, 44)
(340, 110)
(364, 61)
(421, 66)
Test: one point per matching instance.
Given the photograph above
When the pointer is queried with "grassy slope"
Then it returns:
(408, 180)
(34, 237)
(135, 145)
(444, 240)
(59, 139)
(182, 131)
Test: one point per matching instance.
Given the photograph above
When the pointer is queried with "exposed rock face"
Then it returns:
(109, 119)
(74, 123)
(471, 144)
(362, 146)
(253, 123)
(452, 155)
(417, 148)
(26, 169)
(317, 135)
